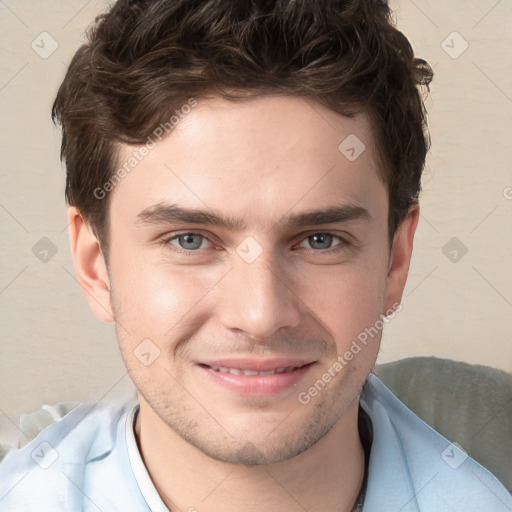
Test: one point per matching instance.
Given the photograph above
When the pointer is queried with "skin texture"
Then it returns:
(259, 161)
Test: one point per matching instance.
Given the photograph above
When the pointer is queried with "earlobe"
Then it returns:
(90, 266)
(400, 258)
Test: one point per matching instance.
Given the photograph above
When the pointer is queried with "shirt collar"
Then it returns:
(140, 472)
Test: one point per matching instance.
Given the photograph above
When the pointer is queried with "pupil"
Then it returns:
(189, 240)
(322, 239)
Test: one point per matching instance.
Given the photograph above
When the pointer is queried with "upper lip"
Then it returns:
(257, 364)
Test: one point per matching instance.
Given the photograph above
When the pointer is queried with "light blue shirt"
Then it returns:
(89, 461)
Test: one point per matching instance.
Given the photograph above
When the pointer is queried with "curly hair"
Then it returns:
(145, 58)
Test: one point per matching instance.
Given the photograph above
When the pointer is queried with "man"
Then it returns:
(243, 181)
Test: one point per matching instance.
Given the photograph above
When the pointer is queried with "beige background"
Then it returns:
(53, 349)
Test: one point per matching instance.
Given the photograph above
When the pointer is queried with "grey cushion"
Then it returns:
(467, 404)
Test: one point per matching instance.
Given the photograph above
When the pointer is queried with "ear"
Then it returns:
(90, 266)
(400, 258)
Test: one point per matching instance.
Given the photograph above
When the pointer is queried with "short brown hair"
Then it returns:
(145, 58)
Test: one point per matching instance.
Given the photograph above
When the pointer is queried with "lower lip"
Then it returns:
(257, 384)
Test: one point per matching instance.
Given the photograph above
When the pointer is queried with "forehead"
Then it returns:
(255, 159)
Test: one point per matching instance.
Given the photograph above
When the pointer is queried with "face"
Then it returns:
(247, 253)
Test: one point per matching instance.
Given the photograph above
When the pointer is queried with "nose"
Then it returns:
(258, 299)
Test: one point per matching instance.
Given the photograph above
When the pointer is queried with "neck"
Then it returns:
(326, 477)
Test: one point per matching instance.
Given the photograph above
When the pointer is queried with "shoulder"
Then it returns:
(46, 472)
(414, 468)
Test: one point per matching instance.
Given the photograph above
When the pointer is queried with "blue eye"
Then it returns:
(323, 241)
(188, 241)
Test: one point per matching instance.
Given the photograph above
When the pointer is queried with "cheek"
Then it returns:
(156, 300)
(347, 302)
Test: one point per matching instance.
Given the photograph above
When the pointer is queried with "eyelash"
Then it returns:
(166, 242)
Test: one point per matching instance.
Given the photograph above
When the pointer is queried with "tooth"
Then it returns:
(236, 371)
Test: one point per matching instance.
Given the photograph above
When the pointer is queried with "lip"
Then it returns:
(256, 384)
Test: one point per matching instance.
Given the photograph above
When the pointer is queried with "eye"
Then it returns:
(187, 242)
(324, 241)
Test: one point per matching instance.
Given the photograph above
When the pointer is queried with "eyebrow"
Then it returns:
(163, 213)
